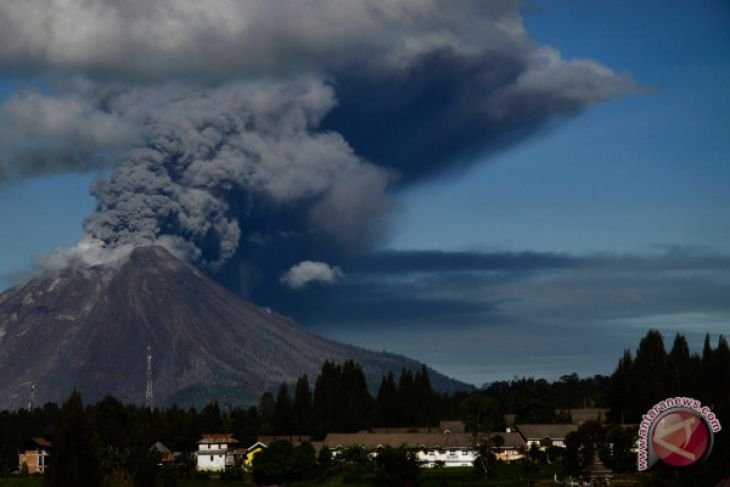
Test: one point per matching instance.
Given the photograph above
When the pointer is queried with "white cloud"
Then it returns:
(307, 272)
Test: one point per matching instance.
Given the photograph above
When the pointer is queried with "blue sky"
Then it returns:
(645, 171)
(633, 192)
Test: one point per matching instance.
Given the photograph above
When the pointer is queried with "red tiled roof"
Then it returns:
(42, 442)
(218, 438)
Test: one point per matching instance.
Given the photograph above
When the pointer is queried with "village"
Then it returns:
(569, 432)
(444, 446)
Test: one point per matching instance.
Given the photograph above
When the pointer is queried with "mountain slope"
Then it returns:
(88, 327)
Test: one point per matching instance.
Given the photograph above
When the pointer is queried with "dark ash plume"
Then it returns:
(218, 164)
(249, 178)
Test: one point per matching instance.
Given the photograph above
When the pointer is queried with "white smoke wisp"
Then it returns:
(86, 252)
(309, 272)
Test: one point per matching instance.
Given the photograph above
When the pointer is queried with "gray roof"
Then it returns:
(540, 431)
(415, 440)
(160, 447)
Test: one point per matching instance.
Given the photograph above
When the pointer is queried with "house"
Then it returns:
(251, 452)
(218, 451)
(511, 447)
(34, 455)
(166, 456)
(545, 435)
(432, 449)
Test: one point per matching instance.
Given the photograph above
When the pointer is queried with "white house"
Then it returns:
(216, 451)
(545, 435)
(35, 455)
(446, 449)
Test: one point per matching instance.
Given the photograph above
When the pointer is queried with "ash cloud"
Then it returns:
(43, 134)
(218, 164)
(250, 136)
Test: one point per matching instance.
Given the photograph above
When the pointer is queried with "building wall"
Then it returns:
(559, 443)
(461, 457)
(35, 461)
(211, 461)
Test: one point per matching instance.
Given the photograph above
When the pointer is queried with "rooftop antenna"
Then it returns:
(148, 392)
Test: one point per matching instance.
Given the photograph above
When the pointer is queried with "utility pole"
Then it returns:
(148, 392)
(31, 402)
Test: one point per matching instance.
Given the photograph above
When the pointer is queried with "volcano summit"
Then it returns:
(89, 327)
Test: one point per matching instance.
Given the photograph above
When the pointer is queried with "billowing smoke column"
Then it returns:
(252, 136)
(214, 163)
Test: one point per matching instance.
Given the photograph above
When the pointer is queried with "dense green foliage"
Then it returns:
(75, 459)
(653, 374)
(281, 462)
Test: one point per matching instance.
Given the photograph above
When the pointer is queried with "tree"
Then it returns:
(479, 413)
(355, 402)
(147, 469)
(283, 415)
(273, 465)
(425, 413)
(266, 411)
(75, 458)
(582, 445)
(680, 376)
(622, 406)
(386, 404)
(210, 418)
(396, 467)
(324, 403)
(406, 398)
(341, 399)
(621, 458)
(302, 406)
(304, 463)
(324, 460)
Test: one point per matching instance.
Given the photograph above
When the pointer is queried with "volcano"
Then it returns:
(90, 328)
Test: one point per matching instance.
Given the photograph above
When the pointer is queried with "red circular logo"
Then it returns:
(680, 438)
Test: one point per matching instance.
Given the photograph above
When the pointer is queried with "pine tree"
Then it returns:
(650, 370)
(210, 418)
(325, 398)
(680, 377)
(75, 457)
(707, 370)
(302, 406)
(424, 398)
(283, 415)
(621, 401)
(406, 403)
(266, 411)
(356, 402)
(720, 375)
(386, 407)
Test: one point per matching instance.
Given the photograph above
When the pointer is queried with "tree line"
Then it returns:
(339, 401)
(652, 374)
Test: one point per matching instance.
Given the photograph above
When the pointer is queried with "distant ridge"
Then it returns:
(89, 327)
